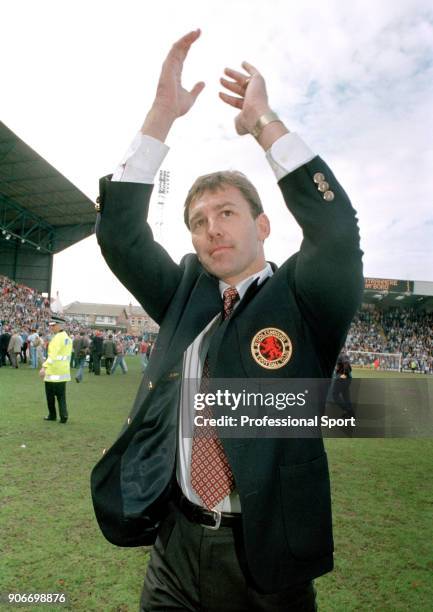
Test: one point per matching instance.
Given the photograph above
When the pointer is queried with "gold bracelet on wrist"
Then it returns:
(262, 121)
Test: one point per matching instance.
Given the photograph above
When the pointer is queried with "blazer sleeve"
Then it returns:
(328, 273)
(141, 264)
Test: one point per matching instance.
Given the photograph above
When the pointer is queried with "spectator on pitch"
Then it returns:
(73, 336)
(96, 352)
(4, 344)
(41, 351)
(142, 349)
(24, 345)
(92, 336)
(149, 349)
(120, 357)
(75, 348)
(14, 348)
(82, 344)
(33, 341)
(109, 352)
(341, 385)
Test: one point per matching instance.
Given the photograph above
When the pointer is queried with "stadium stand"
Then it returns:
(381, 335)
(398, 331)
(21, 306)
(366, 333)
(394, 328)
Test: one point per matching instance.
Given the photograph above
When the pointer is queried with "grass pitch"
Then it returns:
(50, 542)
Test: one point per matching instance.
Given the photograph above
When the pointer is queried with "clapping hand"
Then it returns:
(251, 96)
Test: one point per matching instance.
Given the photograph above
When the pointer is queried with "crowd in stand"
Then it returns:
(24, 333)
(365, 334)
(22, 306)
(406, 331)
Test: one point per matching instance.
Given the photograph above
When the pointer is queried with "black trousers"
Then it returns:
(341, 395)
(109, 364)
(195, 568)
(53, 390)
(3, 354)
(97, 363)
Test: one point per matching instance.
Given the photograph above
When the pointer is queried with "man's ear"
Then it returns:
(263, 226)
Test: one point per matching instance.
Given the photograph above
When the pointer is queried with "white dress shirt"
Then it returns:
(140, 165)
(193, 360)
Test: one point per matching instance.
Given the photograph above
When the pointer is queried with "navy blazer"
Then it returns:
(283, 484)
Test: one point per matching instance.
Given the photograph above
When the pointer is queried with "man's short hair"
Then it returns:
(219, 180)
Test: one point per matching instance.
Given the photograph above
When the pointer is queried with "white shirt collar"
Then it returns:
(244, 284)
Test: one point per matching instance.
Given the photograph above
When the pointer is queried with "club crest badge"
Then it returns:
(271, 348)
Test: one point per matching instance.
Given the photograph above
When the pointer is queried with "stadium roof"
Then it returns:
(38, 205)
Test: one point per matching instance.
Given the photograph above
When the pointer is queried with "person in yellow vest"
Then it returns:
(56, 370)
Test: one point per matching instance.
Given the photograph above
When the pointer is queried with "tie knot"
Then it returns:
(230, 297)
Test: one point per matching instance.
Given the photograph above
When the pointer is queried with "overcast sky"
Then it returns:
(354, 79)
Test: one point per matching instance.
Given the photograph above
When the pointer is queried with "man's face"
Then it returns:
(226, 238)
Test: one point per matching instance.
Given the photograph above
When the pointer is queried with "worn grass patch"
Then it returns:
(50, 542)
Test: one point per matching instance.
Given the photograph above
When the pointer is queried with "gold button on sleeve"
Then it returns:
(318, 177)
(328, 196)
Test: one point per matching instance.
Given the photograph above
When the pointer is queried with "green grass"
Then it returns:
(50, 539)
(50, 542)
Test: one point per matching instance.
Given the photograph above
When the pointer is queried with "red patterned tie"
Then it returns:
(211, 476)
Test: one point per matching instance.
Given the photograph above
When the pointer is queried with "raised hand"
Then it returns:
(170, 93)
(172, 100)
(251, 96)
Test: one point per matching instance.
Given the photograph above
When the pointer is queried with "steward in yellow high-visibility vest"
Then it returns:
(56, 370)
(57, 365)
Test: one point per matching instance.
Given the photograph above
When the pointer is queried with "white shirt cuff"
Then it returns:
(142, 160)
(288, 153)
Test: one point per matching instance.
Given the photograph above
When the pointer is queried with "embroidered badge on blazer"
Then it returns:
(271, 348)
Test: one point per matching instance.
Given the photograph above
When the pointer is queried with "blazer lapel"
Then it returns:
(218, 336)
(202, 305)
(197, 309)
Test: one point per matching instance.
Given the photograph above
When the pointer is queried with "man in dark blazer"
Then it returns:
(4, 343)
(96, 349)
(236, 523)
